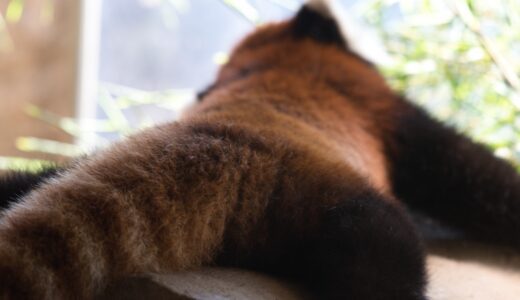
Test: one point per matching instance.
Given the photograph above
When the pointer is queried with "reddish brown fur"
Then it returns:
(296, 94)
(277, 145)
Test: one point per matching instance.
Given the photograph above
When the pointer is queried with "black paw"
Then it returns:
(368, 250)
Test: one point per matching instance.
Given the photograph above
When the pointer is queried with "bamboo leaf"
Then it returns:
(245, 9)
(32, 144)
(23, 164)
(14, 11)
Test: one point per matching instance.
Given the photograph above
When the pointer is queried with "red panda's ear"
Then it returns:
(315, 21)
(328, 21)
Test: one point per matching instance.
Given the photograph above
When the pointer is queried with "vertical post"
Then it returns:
(88, 67)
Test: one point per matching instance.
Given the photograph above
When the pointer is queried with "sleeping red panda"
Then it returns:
(297, 161)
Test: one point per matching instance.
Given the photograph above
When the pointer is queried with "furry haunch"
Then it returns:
(297, 161)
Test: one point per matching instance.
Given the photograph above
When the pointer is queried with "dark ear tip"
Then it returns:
(312, 23)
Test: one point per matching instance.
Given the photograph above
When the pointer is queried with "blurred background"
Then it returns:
(75, 75)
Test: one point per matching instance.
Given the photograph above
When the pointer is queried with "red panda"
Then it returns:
(298, 161)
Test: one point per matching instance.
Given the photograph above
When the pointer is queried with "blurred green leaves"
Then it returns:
(16, 8)
(169, 10)
(245, 9)
(14, 11)
(117, 104)
(459, 59)
(22, 164)
(13, 15)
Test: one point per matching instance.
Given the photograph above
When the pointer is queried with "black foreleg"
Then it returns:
(367, 249)
(446, 175)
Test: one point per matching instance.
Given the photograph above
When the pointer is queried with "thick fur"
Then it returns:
(436, 170)
(293, 162)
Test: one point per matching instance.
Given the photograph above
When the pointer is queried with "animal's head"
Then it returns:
(313, 41)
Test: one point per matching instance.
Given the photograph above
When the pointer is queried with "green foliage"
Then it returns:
(13, 14)
(249, 11)
(460, 59)
(245, 9)
(14, 11)
(116, 103)
(22, 164)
